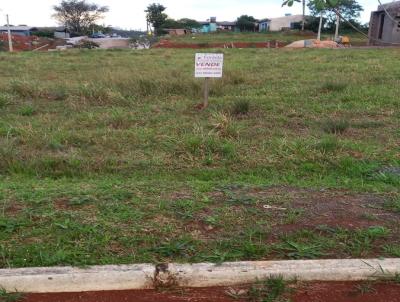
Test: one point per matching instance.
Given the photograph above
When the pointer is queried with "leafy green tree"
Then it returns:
(349, 9)
(189, 23)
(78, 15)
(171, 23)
(246, 23)
(156, 17)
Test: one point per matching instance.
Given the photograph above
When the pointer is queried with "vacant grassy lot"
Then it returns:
(104, 158)
(231, 37)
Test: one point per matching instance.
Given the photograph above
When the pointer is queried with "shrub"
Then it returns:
(86, 44)
(241, 107)
(335, 126)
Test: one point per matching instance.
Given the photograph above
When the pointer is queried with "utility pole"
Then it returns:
(303, 23)
(10, 44)
(337, 26)
(320, 27)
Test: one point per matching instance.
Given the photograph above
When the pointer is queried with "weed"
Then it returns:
(297, 250)
(176, 248)
(27, 110)
(392, 250)
(10, 297)
(271, 290)
(335, 126)
(240, 107)
(365, 288)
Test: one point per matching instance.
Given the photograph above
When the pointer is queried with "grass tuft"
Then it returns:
(271, 290)
(27, 110)
(240, 107)
(335, 126)
(10, 297)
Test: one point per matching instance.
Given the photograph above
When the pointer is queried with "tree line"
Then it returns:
(81, 17)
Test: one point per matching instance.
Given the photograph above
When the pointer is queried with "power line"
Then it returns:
(387, 13)
(360, 31)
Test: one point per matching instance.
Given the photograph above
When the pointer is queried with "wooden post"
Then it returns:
(206, 92)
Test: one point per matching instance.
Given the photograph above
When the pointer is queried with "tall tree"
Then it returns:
(246, 23)
(78, 15)
(349, 9)
(156, 17)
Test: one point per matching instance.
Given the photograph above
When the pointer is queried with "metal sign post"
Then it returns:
(208, 65)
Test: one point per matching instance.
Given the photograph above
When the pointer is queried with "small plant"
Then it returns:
(335, 126)
(240, 107)
(9, 297)
(27, 110)
(295, 250)
(365, 288)
(176, 248)
(393, 250)
(271, 290)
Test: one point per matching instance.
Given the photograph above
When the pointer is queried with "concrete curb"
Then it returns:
(148, 276)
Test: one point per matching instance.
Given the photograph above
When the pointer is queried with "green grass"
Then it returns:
(105, 160)
(229, 37)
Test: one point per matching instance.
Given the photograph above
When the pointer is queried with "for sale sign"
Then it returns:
(209, 65)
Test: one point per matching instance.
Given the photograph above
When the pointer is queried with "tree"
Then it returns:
(182, 23)
(78, 15)
(189, 23)
(156, 17)
(246, 23)
(349, 9)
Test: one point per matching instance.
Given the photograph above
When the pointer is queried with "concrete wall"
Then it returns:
(108, 43)
(277, 24)
(390, 29)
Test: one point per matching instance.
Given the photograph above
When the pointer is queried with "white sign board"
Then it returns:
(209, 65)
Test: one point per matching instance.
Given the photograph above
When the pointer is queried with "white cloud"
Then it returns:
(130, 13)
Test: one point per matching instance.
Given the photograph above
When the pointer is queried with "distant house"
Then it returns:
(287, 22)
(21, 30)
(384, 28)
(178, 31)
(264, 25)
(61, 33)
(212, 25)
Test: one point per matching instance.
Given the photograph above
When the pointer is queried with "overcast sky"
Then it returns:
(129, 14)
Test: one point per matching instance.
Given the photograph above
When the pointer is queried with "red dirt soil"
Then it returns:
(309, 292)
(170, 44)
